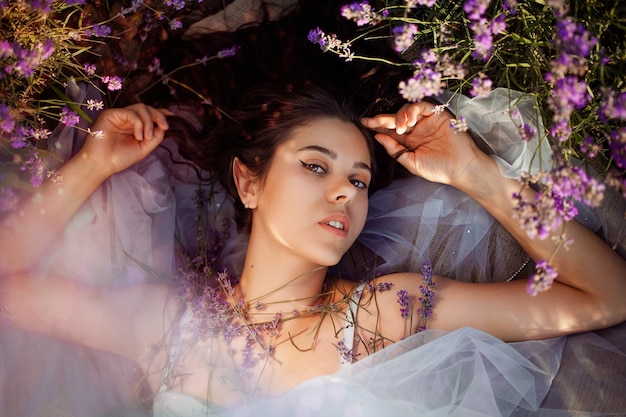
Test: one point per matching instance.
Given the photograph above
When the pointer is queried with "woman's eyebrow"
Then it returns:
(333, 155)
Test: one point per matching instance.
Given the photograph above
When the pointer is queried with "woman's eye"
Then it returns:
(359, 184)
(318, 169)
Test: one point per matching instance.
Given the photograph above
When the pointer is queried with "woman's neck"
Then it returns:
(280, 284)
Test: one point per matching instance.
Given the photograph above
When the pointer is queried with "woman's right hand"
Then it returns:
(423, 141)
(127, 135)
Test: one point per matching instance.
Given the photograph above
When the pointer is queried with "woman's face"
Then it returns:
(314, 199)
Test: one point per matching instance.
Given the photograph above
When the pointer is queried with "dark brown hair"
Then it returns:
(266, 118)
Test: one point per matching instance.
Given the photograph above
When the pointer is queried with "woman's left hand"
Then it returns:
(423, 141)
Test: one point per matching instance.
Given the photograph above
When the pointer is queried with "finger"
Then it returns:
(146, 117)
(402, 122)
(380, 122)
(159, 117)
(414, 113)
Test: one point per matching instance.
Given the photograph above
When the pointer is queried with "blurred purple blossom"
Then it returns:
(134, 6)
(573, 38)
(475, 9)
(7, 121)
(68, 117)
(44, 6)
(175, 24)
(90, 69)
(613, 105)
(228, 52)
(361, 13)
(176, 4)
(25, 61)
(113, 82)
(617, 146)
(542, 279)
(510, 6)
(403, 36)
(98, 31)
(33, 165)
(8, 198)
(481, 86)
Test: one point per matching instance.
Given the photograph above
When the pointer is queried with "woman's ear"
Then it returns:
(247, 184)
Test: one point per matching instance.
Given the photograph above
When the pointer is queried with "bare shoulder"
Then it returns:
(388, 308)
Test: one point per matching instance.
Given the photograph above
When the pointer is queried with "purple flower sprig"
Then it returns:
(361, 13)
(555, 202)
(425, 300)
(404, 301)
(542, 279)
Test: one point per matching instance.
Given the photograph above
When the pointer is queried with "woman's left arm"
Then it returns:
(129, 134)
(589, 290)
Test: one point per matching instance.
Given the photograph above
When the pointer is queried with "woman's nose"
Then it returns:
(341, 190)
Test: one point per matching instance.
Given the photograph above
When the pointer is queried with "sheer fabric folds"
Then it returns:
(129, 232)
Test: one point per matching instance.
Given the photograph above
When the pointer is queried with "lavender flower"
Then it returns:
(25, 61)
(424, 83)
(361, 13)
(613, 105)
(481, 86)
(564, 185)
(318, 37)
(94, 105)
(175, 24)
(510, 6)
(427, 294)
(403, 300)
(380, 287)
(90, 69)
(346, 353)
(414, 3)
(176, 4)
(7, 122)
(542, 279)
(403, 36)
(459, 124)
(98, 31)
(68, 117)
(228, 52)
(113, 82)
(134, 6)
(589, 147)
(331, 43)
(475, 9)
(34, 166)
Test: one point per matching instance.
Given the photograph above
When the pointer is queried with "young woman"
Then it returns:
(299, 165)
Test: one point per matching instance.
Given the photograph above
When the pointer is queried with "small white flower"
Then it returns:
(439, 108)
(459, 125)
(96, 134)
(41, 134)
(94, 105)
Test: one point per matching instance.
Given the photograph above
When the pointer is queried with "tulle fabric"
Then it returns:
(465, 373)
(130, 229)
(413, 220)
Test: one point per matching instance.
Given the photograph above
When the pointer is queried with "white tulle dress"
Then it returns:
(128, 232)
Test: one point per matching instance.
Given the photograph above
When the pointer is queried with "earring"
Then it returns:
(245, 205)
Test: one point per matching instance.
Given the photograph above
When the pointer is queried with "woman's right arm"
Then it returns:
(126, 320)
(129, 135)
